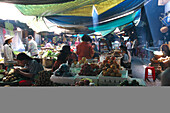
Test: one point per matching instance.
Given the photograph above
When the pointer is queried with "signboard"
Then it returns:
(162, 2)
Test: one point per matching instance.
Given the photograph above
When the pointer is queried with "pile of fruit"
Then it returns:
(43, 79)
(63, 71)
(80, 63)
(90, 70)
(127, 83)
(110, 67)
(84, 82)
(9, 76)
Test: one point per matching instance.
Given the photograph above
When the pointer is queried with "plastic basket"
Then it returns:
(63, 80)
(112, 81)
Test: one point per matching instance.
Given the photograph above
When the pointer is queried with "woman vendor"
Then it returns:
(64, 56)
(32, 67)
(84, 49)
(8, 51)
(126, 59)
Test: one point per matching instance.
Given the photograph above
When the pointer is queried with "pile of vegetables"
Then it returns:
(49, 53)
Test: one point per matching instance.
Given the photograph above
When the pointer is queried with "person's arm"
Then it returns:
(29, 47)
(18, 71)
(56, 65)
(77, 50)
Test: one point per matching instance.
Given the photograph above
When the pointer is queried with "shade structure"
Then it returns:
(31, 2)
(79, 13)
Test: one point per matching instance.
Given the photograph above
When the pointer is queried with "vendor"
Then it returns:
(32, 67)
(126, 59)
(64, 56)
(84, 49)
(8, 51)
(165, 49)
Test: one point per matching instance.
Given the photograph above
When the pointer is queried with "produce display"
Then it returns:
(43, 79)
(63, 70)
(9, 76)
(84, 82)
(90, 70)
(127, 83)
(80, 63)
(48, 53)
(110, 67)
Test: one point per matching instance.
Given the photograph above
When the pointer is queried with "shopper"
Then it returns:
(8, 51)
(48, 44)
(32, 67)
(65, 56)
(128, 45)
(134, 48)
(96, 51)
(84, 49)
(32, 46)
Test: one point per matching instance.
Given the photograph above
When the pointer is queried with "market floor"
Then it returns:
(138, 71)
(138, 68)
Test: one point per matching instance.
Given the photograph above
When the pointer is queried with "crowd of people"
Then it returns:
(87, 48)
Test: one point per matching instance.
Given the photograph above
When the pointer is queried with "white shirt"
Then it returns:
(128, 45)
(49, 45)
(32, 47)
(8, 53)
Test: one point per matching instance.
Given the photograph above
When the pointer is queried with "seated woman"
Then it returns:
(32, 67)
(64, 56)
(126, 59)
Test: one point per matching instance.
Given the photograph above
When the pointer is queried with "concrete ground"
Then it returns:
(138, 71)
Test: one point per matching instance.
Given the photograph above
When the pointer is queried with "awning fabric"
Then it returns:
(31, 2)
(79, 13)
(116, 23)
(118, 10)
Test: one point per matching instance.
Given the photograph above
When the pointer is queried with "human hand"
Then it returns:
(17, 70)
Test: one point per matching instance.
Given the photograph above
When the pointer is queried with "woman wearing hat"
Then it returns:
(84, 49)
(8, 51)
(64, 56)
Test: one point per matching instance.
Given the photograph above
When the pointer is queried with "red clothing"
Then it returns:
(84, 49)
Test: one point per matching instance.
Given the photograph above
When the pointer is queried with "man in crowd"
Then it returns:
(32, 46)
